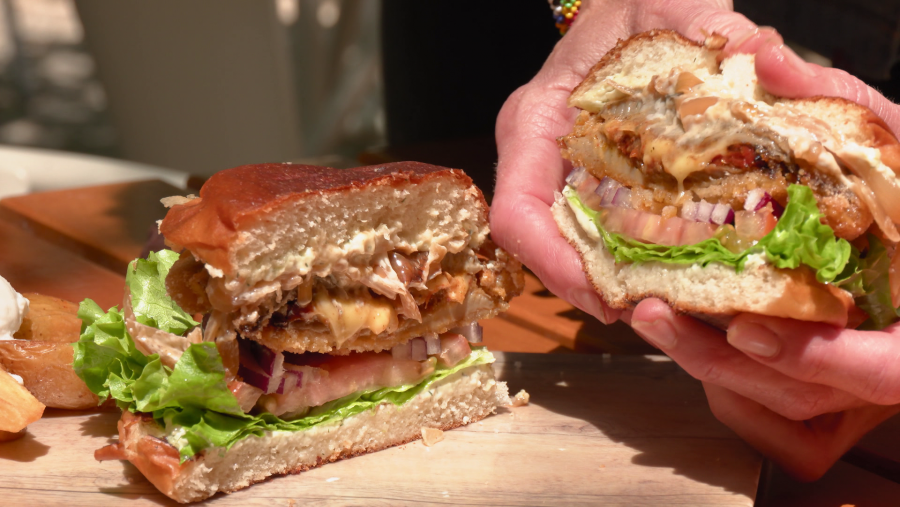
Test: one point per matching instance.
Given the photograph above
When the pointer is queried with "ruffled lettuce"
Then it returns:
(869, 284)
(146, 279)
(191, 401)
(798, 238)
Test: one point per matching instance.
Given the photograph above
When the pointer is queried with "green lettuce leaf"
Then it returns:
(192, 401)
(798, 238)
(146, 279)
(105, 356)
(871, 286)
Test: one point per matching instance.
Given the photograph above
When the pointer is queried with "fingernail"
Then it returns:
(742, 37)
(794, 61)
(659, 333)
(752, 39)
(754, 339)
(589, 302)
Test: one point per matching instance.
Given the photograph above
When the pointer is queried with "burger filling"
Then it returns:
(696, 168)
(715, 138)
(214, 394)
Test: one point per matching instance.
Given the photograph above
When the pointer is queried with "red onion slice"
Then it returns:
(704, 211)
(473, 332)
(722, 214)
(689, 211)
(290, 381)
(432, 344)
(622, 199)
(254, 377)
(260, 366)
(756, 199)
(402, 352)
(306, 358)
(269, 361)
(607, 190)
(418, 349)
(577, 177)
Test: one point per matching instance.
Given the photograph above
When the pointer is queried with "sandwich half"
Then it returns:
(694, 185)
(312, 314)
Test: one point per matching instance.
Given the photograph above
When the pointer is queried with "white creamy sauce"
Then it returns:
(685, 138)
(583, 220)
(150, 340)
(13, 308)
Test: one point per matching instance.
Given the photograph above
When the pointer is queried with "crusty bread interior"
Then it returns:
(633, 62)
(352, 226)
(462, 398)
(715, 292)
(439, 318)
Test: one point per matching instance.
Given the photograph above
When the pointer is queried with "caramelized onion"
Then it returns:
(894, 278)
(622, 88)
(686, 81)
(866, 195)
(696, 106)
(408, 271)
(886, 190)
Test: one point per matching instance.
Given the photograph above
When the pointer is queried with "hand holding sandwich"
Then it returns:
(829, 378)
(530, 169)
(802, 393)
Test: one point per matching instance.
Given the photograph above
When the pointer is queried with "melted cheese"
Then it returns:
(351, 314)
(685, 140)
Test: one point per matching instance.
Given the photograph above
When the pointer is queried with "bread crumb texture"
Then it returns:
(462, 398)
(520, 399)
(431, 436)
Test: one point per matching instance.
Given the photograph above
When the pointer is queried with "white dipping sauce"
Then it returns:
(13, 308)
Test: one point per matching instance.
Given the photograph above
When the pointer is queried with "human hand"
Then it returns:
(530, 168)
(802, 393)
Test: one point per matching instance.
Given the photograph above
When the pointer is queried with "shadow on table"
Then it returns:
(23, 449)
(137, 487)
(644, 402)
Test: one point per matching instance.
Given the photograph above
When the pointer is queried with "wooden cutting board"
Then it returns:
(600, 430)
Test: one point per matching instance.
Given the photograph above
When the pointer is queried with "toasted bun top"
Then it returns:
(633, 62)
(258, 218)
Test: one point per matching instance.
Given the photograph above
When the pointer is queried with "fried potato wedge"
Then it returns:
(46, 369)
(18, 408)
(49, 319)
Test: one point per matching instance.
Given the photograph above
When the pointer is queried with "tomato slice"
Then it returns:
(652, 228)
(894, 278)
(754, 225)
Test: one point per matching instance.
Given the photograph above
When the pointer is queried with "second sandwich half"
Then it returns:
(343, 305)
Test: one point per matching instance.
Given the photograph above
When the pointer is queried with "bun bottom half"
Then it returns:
(715, 293)
(465, 397)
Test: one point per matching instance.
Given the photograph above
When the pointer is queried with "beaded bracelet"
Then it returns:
(564, 13)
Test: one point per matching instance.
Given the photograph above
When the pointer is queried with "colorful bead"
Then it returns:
(564, 13)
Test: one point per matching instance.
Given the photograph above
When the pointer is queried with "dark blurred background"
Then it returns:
(205, 85)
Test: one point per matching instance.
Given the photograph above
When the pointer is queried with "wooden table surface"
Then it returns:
(601, 429)
(612, 431)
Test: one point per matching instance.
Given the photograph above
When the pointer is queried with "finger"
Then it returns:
(703, 352)
(529, 171)
(532, 236)
(863, 363)
(805, 449)
(749, 42)
(696, 19)
(783, 73)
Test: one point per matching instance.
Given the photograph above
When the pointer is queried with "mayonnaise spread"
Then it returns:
(13, 308)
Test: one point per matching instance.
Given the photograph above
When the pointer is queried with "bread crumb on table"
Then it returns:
(520, 399)
(431, 436)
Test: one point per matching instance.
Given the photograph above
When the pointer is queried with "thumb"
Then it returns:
(783, 73)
